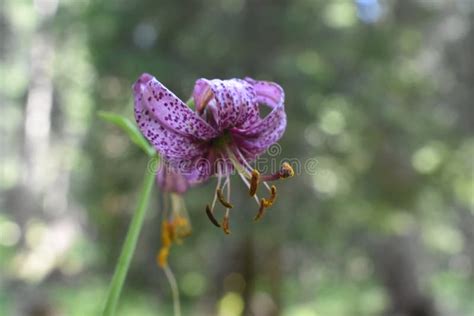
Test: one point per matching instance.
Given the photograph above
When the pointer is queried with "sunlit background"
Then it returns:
(378, 93)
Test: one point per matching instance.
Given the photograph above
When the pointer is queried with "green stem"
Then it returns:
(129, 246)
(174, 290)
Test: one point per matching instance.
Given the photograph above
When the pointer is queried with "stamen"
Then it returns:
(267, 186)
(211, 216)
(252, 177)
(219, 179)
(241, 169)
(246, 164)
(266, 203)
(254, 173)
(210, 209)
(273, 191)
(221, 199)
(261, 210)
(225, 223)
(286, 171)
(254, 182)
(248, 186)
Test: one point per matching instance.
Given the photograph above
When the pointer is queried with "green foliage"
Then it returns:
(130, 129)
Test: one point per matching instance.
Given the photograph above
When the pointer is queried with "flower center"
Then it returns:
(222, 140)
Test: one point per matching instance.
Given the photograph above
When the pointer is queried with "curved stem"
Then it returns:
(129, 246)
(174, 290)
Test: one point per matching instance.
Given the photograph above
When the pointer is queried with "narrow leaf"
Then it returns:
(131, 129)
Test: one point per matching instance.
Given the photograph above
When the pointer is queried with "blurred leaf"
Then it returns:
(131, 129)
(190, 103)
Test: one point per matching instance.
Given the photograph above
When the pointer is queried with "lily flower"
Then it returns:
(176, 224)
(224, 133)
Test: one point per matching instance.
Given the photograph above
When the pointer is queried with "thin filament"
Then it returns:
(243, 158)
(219, 179)
(250, 167)
(240, 168)
(227, 184)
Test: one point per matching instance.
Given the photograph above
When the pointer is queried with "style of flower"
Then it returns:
(176, 224)
(223, 134)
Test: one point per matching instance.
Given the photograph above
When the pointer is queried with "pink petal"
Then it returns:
(265, 132)
(162, 105)
(231, 102)
(175, 131)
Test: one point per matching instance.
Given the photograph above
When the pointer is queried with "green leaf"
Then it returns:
(131, 129)
(190, 103)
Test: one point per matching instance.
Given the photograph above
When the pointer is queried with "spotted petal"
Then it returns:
(175, 131)
(231, 102)
(265, 132)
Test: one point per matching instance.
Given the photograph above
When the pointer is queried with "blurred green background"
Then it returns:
(378, 93)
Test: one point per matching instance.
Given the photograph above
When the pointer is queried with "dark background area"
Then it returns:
(378, 95)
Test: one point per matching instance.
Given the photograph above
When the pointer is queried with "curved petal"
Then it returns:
(268, 92)
(232, 103)
(259, 136)
(175, 131)
(169, 110)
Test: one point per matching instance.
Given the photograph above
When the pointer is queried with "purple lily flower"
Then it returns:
(224, 133)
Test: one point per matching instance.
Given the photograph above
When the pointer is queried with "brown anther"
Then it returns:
(261, 210)
(267, 203)
(273, 191)
(254, 182)
(211, 216)
(221, 199)
(225, 225)
(286, 171)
